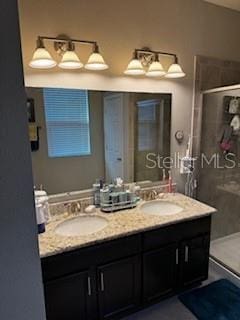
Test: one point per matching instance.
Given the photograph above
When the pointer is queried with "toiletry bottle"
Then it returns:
(164, 175)
(104, 196)
(170, 186)
(40, 218)
(96, 192)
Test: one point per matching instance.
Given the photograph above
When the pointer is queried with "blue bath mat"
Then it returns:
(219, 300)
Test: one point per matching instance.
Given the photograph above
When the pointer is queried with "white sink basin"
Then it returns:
(81, 226)
(160, 208)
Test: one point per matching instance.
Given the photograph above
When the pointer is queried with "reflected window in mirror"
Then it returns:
(147, 124)
(67, 122)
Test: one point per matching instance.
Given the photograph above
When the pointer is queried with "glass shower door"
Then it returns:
(219, 174)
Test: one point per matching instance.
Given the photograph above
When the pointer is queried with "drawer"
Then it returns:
(74, 261)
(174, 233)
(202, 241)
(160, 237)
(194, 228)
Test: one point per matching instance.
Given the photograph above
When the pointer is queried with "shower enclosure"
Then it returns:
(219, 172)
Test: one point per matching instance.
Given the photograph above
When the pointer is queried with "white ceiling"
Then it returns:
(232, 4)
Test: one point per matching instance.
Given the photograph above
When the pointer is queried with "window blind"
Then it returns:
(67, 122)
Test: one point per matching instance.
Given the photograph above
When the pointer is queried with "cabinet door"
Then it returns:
(160, 269)
(194, 260)
(119, 287)
(69, 298)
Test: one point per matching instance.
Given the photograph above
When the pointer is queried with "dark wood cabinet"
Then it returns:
(175, 266)
(118, 277)
(120, 287)
(194, 260)
(69, 297)
(160, 272)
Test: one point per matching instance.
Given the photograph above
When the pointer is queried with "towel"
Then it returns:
(235, 124)
(234, 106)
(226, 139)
(41, 199)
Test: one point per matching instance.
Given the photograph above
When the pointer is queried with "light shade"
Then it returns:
(175, 71)
(70, 60)
(96, 62)
(135, 68)
(42, 59)
(155, 70)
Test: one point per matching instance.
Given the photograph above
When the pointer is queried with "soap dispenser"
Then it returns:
(97, 186)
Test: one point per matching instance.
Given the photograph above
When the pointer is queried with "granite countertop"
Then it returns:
(121, 223)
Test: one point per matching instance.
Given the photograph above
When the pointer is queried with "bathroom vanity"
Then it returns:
(137, 260)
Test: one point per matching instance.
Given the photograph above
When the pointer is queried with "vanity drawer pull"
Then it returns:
(186, 253)
(89, 286)
(177, 256)
(102, 281)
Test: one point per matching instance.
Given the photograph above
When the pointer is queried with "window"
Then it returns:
(67, 122)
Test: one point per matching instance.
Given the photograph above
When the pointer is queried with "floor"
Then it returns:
(171, 309)
(226, 250)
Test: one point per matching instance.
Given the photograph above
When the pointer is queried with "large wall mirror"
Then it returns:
(78, 136)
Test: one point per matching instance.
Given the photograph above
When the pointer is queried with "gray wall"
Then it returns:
(69, 173)
(21, 294)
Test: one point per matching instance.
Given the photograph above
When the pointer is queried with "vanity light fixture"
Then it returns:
(66, 49)
(148, 59)
(70, 59)
(96, 61)
(175, 70)
(135, 67)
(41, 57)
(155, 69)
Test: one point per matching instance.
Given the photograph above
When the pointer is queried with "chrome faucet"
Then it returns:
(74, 207)
(153, 195)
